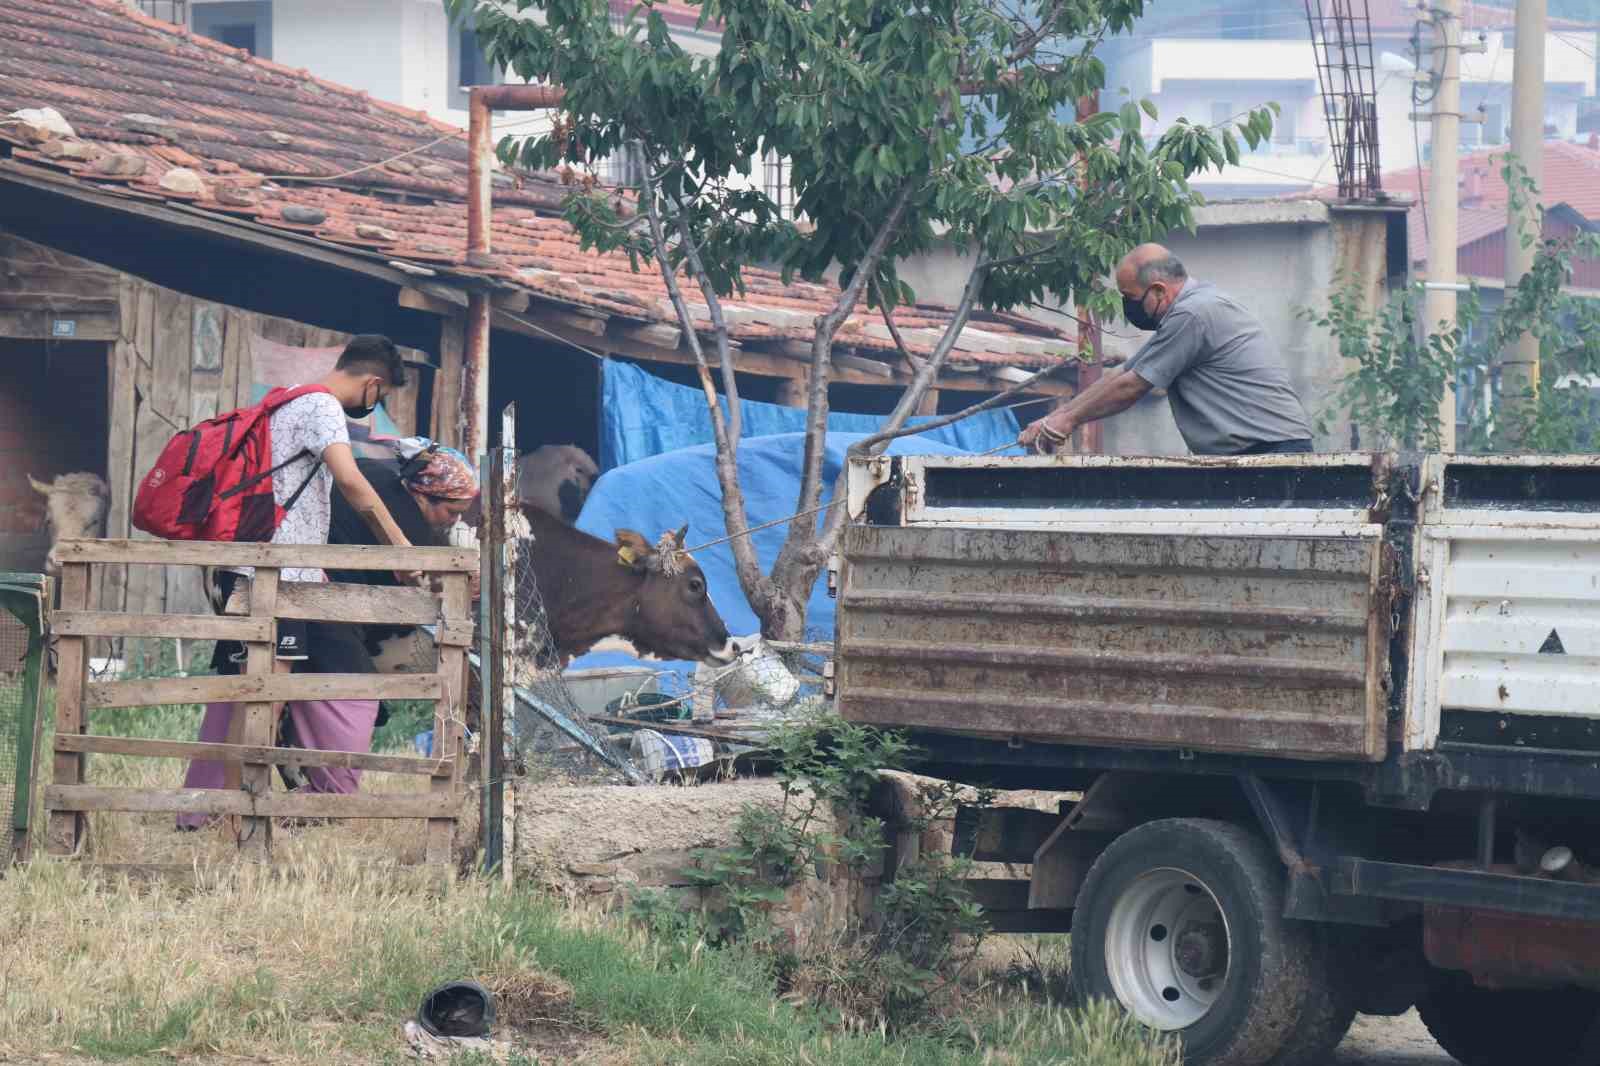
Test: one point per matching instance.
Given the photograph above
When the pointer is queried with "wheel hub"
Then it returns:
(1202, 949)
(1167, 949)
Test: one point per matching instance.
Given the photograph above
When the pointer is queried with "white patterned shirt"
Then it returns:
(307, 424)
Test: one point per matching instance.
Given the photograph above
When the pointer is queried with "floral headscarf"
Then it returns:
(444, 474)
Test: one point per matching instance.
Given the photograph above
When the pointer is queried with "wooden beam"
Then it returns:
(220, 553)
(268, 688)
(594, 325)
(866, 366)
(276, 756)
(758, 358)
(657, 334)
(514, 300)
(186, 626)
(326, 601)
(417, 300)
(41, 325)
(267, 805)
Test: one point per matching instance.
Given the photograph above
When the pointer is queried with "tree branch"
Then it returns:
(802, 530)
(911, 398)
(756, 585)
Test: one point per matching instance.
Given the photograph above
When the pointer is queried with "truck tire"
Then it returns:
(1510, 1026)
(1181, 922)
(1329, 1010)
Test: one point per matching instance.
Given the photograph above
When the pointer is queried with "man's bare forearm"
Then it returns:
(1111, 395)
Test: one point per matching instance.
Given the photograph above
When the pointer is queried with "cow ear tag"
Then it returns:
(626, 556)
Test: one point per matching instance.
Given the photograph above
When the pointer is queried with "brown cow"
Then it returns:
(592, 590)
(653, 597)
(77, 505)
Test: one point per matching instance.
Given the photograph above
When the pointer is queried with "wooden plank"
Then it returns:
(183, 749)
(119, 456)
(866, 366)
(457, 634)
(144, 335)
(447, 382)
(205, 379)
(665, 335)
(185, 626)
(65, 828)
(41, 325)
(249, 325)
(325, 556)
(277, 688)
(414, 299)
(62, 305)
(448, 716)
(68, 798)
(514, 300)
(335, 602)
(255, 724)
(232, 338)
(762, 362)
(594, 325)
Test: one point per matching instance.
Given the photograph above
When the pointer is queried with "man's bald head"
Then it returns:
(1146, 265)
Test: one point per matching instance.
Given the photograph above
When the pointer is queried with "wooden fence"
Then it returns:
(259, 689)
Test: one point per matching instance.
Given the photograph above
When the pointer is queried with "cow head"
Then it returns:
(671, 616)
(556, 479)
(76, 508)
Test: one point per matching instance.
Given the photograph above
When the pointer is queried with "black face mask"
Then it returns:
(358, 413)
(1133, 310)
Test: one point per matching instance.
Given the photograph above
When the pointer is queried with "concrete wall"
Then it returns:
(1275, 257)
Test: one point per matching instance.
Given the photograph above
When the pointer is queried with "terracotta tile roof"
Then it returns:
(1571, 177)
(681, 15)
(238, 124)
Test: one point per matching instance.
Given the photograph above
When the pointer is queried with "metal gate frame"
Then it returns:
(26, 597)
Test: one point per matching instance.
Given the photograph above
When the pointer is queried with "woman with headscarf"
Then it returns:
(426, 487)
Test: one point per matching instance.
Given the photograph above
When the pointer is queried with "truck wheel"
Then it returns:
(1181, 922)
(1510, 1026)
(1329, 1010)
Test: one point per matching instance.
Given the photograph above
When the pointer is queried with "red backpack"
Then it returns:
(214, 481)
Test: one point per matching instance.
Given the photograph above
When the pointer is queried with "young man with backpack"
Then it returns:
(211, 483)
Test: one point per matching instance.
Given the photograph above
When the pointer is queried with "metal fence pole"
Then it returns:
(499, 599)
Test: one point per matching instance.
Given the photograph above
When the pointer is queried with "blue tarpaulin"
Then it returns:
(642, 415)
(665, 491)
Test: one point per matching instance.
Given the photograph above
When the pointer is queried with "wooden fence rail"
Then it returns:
(258, 690)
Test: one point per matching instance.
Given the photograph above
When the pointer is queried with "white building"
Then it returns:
(1210, 62)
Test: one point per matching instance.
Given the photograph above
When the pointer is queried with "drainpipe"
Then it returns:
(484, 100)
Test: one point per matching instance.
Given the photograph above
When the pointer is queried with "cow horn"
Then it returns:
(677, 537)
(41, 487)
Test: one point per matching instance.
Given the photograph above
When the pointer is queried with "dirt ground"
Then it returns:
(1390, 1042)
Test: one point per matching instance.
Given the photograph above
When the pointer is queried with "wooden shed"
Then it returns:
(169, 204)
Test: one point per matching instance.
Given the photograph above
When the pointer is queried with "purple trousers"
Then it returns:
(328, 725)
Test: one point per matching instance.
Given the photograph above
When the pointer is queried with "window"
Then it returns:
(238, 25)
(775, 183)
(468, 65)
(1283, 126)
(624, 168)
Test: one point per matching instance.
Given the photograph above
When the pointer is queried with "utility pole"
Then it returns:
(1440, 302)
(1519, 368)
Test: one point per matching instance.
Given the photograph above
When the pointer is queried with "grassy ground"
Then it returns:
(323, 956)
(322, 963)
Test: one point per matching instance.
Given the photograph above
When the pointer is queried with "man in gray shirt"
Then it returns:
(1228, 387)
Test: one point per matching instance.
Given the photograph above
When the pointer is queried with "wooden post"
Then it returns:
(255, 836)
(791, 392)
(447, 714)
(65, 831)
(930, 403)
